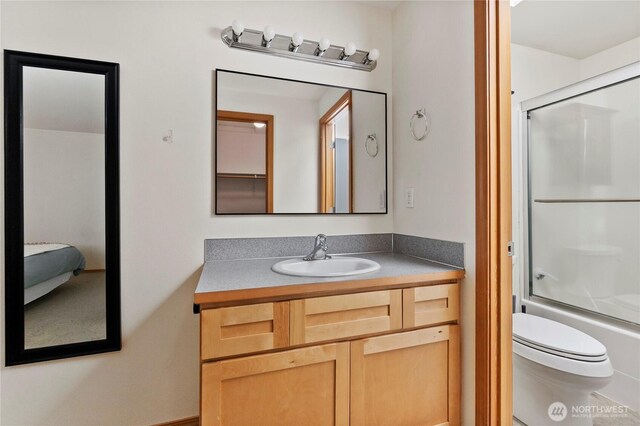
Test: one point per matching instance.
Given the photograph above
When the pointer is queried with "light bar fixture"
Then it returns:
(296, 47)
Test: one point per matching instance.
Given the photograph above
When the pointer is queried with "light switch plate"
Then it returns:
(409, 198)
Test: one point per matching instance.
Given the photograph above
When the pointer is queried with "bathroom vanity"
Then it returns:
(379, 348)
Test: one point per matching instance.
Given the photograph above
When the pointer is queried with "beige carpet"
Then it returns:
(73, 312)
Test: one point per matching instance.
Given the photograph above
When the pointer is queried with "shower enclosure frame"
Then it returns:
(525, 278)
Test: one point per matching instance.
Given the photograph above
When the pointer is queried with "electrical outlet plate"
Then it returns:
(409, 198)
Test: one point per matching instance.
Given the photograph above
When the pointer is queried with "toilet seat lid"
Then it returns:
(556, 338)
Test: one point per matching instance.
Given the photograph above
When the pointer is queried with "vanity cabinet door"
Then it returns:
(335, 317)
(430, 305)
(410, 378)
(308, 386)
(243, 329)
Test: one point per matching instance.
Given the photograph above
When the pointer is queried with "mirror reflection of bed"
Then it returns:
(64, 303)
(64, 207)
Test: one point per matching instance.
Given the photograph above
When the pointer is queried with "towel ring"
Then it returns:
(415, 118)
(371, 152)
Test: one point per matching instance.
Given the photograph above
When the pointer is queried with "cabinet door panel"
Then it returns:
(244, 329)
(423, 306)
(336, 317)
(308, 386)
(409, 378)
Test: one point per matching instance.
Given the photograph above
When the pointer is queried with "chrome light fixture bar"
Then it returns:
(294, 47)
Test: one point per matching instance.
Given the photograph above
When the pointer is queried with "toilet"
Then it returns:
(554, 363)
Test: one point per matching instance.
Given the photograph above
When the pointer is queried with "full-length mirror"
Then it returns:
(62, 244)
(292, 147)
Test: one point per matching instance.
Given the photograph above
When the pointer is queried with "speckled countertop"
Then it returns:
(252, 280)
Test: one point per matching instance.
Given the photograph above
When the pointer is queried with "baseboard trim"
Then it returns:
(189, 421)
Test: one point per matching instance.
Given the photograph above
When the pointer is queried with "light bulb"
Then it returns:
(238, 27)
(268, 33)
(297, 39)
(350, 49)
(324, 44)
(259, 125)
(373, 55)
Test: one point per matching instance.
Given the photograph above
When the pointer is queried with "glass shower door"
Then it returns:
(584, 201)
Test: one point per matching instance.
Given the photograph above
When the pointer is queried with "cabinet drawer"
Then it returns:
(336, 317)
(244, 329)
(430, 305)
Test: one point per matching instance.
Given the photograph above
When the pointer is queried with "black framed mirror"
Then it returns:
(297, 147)
(62, 232)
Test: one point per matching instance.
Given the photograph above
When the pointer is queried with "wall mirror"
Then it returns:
(293, 147)
(62, 250)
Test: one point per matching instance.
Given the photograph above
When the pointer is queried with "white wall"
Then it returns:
(368, 172)
(612, 58)
(64, 191)
(167, 52)
(329, 99)
(434, 69)
(66, 101)
(534, 72)
(295, 148)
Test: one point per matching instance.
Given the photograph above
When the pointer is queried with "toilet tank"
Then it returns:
(593, 267)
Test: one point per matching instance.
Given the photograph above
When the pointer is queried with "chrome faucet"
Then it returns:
(319, 249)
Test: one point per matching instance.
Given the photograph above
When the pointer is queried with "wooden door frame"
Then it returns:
(250, 117)
(493, 212)
(345, 100)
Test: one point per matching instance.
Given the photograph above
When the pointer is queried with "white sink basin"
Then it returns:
(338, 266)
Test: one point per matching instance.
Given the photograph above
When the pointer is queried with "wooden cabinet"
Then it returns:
(430, 305)
(308, 386)
(243, 329)
(335, 317)
(410, 378)
(368, 372)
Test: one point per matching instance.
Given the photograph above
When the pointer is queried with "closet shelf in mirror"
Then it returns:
(241, 176)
